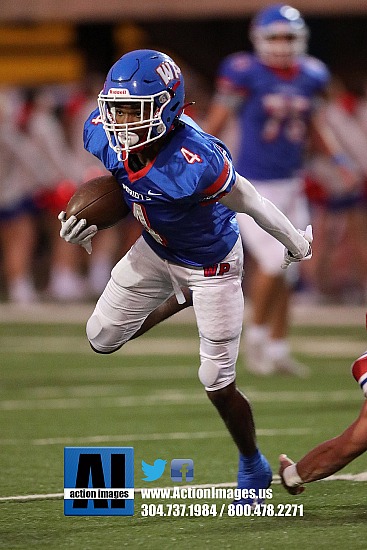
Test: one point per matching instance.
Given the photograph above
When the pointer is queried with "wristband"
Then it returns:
(291, 477)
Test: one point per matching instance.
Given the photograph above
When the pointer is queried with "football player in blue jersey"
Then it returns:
(275, 95)
(330, 456)
(181, 185)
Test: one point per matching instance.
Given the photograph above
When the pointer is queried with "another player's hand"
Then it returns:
(76, 232)
(288, 256)
(284, 461)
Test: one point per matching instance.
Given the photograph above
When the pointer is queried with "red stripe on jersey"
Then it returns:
(219, 182)
(359, 367)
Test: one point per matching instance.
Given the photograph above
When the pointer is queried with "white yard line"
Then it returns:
(172, 397)
(303, 313)
(80, 345)
(314, 346)
(276, 481)
(129, 438)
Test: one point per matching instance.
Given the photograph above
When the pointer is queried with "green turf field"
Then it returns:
(55, 392)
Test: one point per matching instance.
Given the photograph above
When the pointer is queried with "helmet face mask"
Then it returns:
(279, 35)
(124, 137)
(150, 85)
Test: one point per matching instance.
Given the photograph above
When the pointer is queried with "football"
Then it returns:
(100, 201)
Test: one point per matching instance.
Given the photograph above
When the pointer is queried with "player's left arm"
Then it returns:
(243, 197)
(325, 141)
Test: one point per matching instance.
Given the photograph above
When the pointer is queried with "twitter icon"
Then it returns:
(153, 471)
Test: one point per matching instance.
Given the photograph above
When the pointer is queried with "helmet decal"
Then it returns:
(118, 92)
(168, 71)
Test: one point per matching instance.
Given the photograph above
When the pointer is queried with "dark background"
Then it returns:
(341, 42)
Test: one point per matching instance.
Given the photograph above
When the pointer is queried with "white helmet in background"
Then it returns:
(279, 35)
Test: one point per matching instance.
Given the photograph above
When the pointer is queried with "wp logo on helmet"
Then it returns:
(168, 71)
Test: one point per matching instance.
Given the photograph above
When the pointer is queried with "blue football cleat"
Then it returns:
(255, 476)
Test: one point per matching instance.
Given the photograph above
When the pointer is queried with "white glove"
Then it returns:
(76, 232)
(288, 256)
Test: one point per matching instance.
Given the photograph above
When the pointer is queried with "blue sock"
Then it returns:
(251, 464)
(254, 473)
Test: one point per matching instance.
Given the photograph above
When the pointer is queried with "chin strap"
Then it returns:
(184, 107)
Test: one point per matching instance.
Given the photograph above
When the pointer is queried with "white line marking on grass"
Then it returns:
(116, 389)
(172, 397)
(302, 314)
(118, 375)
(161, 398)
(276, 481)
(315, 346)
(318, 346)
(79, 345)
(159, 436)
(122, 438)
(305, 396)
(23, 498)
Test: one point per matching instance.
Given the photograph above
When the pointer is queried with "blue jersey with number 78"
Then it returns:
(176, 196)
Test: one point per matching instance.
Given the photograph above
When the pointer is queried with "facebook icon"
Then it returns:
(182, 469)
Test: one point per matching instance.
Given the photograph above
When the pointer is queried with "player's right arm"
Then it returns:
(231, 91)
(217, 117)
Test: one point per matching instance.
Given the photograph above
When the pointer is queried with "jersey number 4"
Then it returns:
(141, 215)
(190, 157)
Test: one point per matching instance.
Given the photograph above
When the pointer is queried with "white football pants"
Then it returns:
(141, 281)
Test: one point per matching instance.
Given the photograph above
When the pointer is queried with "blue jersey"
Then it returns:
(176, 196)
(275, 113)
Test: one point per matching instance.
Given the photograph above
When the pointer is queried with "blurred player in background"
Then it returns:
(273, 93)
(181, 185)
(330, 456)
